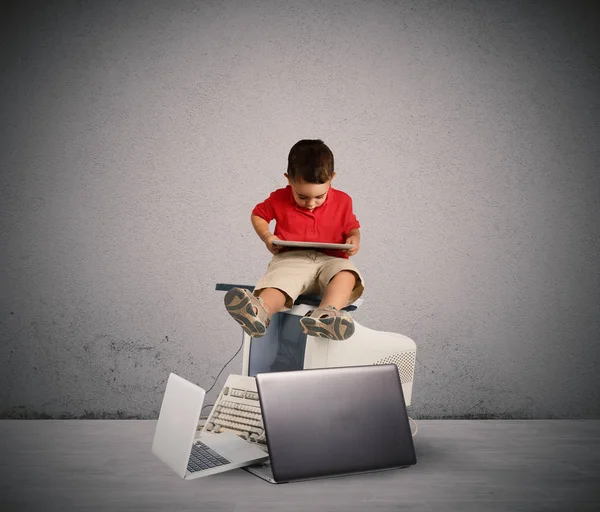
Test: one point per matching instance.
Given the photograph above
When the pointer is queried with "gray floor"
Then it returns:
(462, 465)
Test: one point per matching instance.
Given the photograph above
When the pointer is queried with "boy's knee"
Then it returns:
(277, 298)
(348, 274)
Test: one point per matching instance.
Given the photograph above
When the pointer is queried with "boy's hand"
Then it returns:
(273, 249)
(354, 240)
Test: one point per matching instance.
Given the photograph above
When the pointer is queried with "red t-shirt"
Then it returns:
(328, 223)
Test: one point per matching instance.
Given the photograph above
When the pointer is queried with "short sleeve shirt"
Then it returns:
(329, 223)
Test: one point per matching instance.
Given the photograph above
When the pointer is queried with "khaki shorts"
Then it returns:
(306, 272)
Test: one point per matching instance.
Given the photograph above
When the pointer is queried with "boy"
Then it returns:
(307, 210)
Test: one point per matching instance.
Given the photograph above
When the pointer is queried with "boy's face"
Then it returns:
(309, 195)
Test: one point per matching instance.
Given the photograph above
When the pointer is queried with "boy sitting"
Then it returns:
(307, 210)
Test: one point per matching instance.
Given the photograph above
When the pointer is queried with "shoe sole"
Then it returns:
(240, 307)
(332, 328)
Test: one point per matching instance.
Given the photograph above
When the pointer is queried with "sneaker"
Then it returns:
(248, 311)
(328, 323)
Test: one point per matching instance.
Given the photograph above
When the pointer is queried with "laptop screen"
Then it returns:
(334, 421)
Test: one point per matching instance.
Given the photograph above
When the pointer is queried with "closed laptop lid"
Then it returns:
(177, 423)
(334, 421)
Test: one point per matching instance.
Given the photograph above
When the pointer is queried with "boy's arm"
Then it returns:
(353, 237)
(261, 226)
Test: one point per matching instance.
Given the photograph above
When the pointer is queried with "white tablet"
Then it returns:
(312, 245)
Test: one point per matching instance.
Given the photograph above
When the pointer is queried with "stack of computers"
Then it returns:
(312, 423)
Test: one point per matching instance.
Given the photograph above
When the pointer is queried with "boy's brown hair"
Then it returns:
(310, 161)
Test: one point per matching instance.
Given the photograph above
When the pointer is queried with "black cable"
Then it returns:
(221, 371)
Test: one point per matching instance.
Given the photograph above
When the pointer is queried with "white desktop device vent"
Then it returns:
(366, 346)
(405, 361)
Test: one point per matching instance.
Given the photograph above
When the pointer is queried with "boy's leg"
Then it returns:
(253, 312)
(327, 321)
(277, 289)
(338, 291)
(341, 284)
(273, 300)
(248, 311)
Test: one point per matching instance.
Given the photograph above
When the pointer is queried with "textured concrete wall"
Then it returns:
(136, 137)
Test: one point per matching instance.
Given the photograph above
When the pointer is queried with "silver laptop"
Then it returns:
(334, 421)
(174, 439)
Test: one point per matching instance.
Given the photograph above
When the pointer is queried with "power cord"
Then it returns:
(218, 375)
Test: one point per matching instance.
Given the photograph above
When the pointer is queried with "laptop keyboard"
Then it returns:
(202, 457)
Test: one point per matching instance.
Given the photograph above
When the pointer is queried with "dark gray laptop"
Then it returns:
(332, 422)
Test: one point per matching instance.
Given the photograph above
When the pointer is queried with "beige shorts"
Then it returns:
(306, 272)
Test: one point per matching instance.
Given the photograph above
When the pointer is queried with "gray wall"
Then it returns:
(137, 136)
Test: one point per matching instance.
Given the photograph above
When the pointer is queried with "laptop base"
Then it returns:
(263, 471)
